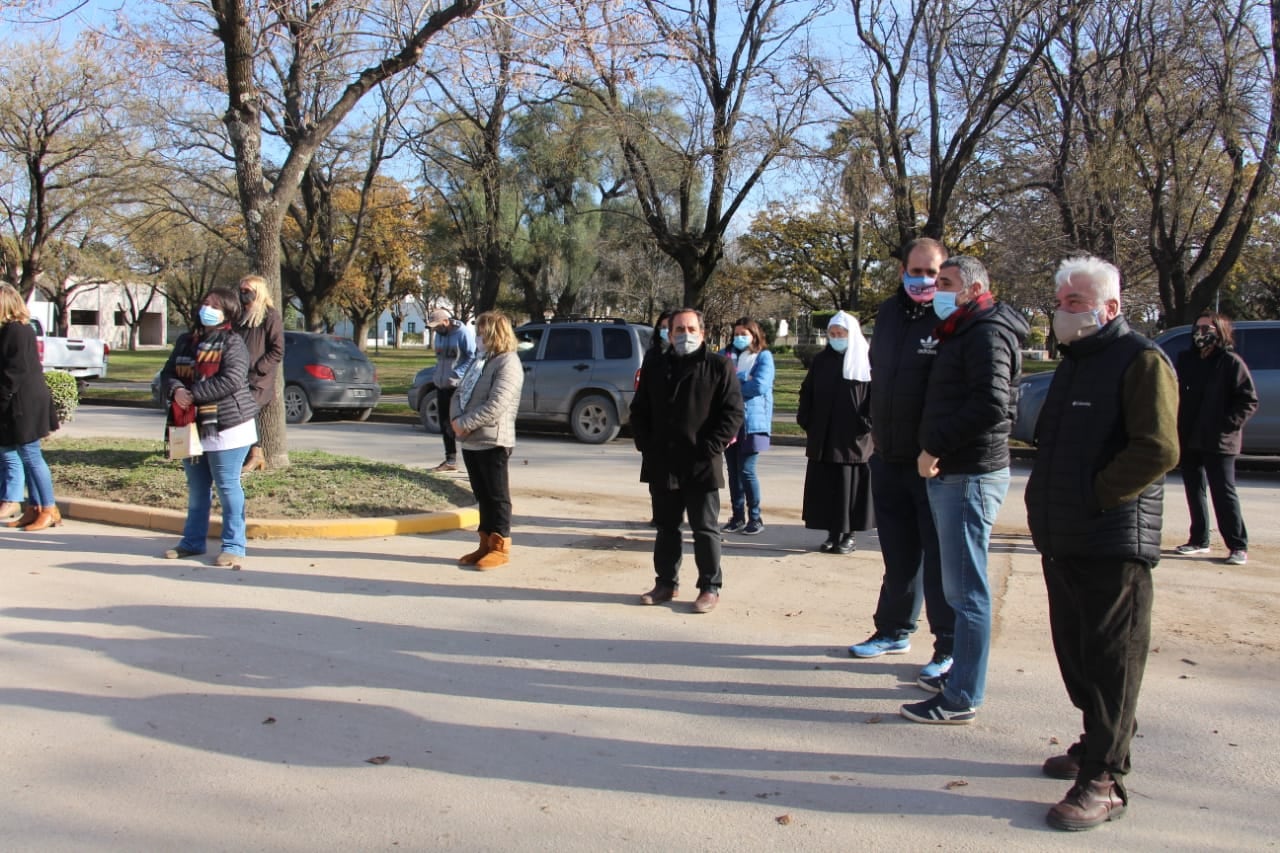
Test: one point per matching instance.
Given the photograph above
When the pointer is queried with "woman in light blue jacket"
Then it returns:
(749, 352)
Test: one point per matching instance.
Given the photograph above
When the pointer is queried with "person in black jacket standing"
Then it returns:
(903, 349)
(686, 410)
(835, 412)
(964, 454)
(1095, 502)
(1216, 398)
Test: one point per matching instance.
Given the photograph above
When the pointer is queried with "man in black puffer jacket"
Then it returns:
(964, 454)
(1095, 500)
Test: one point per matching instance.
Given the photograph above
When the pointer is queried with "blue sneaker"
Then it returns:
(940, 665)
(939, 712)
(878, 644)
(753, 527)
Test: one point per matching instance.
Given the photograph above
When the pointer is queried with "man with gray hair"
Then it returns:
(964, 457)
(1106, 436)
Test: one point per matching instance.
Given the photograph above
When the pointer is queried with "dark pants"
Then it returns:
(1100, 616)
(444, 397)
(909, 547)
(487, 470)
(702, 509)
(1220, 472)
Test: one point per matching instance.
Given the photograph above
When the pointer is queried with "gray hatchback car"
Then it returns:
(1257, 343)
(578, 372)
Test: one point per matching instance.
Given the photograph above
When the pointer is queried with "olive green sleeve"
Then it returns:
(1150, 391)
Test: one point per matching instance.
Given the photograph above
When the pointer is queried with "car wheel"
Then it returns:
(363, 414)
(594, 420)
(297, 408)
(429, 412)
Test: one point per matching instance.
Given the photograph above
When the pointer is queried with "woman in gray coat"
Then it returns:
(483, 415)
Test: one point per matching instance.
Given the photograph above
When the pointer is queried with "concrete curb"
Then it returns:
(171, 521)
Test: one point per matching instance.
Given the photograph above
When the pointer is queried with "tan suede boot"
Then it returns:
(47, 516)
(474, 557)
(499, 551)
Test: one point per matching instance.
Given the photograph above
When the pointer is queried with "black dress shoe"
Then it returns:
(828, 546)
(845, 545)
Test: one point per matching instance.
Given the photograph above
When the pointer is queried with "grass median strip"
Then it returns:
(316, 485)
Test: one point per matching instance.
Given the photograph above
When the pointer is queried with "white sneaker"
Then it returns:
(1238, 558)
(1191, 548)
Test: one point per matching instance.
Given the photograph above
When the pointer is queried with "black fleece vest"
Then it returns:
(1080, 429)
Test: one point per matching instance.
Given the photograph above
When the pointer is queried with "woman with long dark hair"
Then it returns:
(1216, 397)
(754, 365)
(206, 382)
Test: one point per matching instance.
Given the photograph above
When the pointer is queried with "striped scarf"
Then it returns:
(199, 360)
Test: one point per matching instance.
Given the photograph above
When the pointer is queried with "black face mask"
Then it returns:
(246, 297)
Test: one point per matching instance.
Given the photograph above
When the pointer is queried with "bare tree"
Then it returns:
(729, 70)
(264, 57)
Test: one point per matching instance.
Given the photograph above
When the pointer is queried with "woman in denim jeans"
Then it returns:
(206, 382)
(11, 480)
(26, 412)
(754, 365)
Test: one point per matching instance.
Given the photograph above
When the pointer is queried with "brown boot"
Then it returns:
(474, 557)
(255, 461)
(29, 513)
(48, 516)
(499, 551)
(1088, 805)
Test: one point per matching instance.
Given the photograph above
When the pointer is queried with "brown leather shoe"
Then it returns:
(255, 461)
(706, 602)
(48, 516)
(1065, 766)
(29, 513)
(660, 594)
(1087, 805)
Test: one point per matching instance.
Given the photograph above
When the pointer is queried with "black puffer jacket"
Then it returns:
(903, 349)
(972, 396)
(229, 387)
(685, 412)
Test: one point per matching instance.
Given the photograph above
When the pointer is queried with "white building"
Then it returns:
(101, 311)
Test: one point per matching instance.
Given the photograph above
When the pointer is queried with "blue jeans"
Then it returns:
(39, 480)
(11, 476)
(744, 485)
(218, 469)
(909, 547)
(964, 508)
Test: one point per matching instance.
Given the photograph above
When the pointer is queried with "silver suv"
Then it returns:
(578, 372)
(1257, 343)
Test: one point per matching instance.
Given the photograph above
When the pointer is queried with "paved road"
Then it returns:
(152, 704)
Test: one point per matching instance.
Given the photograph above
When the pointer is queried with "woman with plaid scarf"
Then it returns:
(206, 382)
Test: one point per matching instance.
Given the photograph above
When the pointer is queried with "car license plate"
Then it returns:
(359, 392)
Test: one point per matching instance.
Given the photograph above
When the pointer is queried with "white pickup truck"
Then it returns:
(83, 358)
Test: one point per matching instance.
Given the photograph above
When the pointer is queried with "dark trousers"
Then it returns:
(670, 506)
(1100, 617)
(444, 397)
(1220, 471)
(487, 470)
(909, 547)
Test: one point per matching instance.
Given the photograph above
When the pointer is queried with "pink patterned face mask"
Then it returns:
(919, 288)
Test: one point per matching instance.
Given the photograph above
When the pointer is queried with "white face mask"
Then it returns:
(1068, 327)
(686, 344)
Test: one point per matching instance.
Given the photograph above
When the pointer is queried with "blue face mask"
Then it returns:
(210, 316)
(686, 344)
(838, 344)
(664, 332)
(944, 304)
(741, 342)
